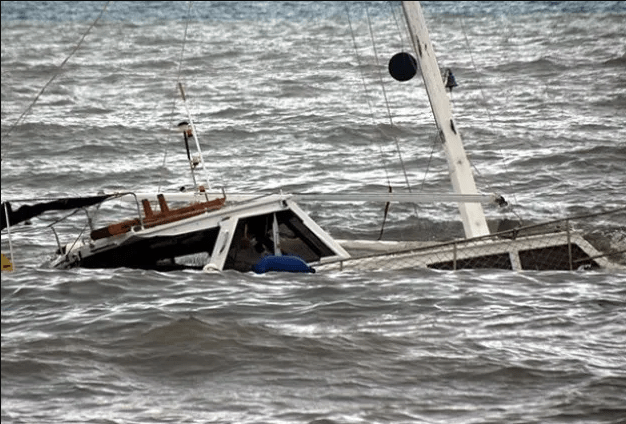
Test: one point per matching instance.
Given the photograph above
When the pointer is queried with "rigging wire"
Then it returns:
(367, 94)
(382, 84)
(175, 97)
(30, 107)
(402, 31)
(491, 122)
(178, 74)
(369, 105)
(436, 139)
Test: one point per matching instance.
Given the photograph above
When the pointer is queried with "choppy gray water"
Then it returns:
(278, 99)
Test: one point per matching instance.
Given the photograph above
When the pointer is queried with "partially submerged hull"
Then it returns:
(567, 245)
(242, 235)
(557, 251)
(237, 236)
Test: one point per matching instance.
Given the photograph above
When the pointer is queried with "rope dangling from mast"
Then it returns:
(382, 84)
(367, 96)
(387, 205)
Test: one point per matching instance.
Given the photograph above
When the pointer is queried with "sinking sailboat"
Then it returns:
(271, 232)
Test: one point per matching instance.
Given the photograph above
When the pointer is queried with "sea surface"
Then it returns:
(282, 100)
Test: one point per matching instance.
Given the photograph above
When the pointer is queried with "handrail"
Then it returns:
(496, 235)
(125, 193)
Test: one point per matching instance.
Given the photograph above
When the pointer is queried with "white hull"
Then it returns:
(237, 236)
(239, 231)
(229, 238)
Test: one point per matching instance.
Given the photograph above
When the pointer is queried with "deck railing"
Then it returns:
(579, 242)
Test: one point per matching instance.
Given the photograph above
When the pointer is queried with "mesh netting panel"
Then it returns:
(584, 242)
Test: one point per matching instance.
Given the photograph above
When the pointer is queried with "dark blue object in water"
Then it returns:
(281, 264)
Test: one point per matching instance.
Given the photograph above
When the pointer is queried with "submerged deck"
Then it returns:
(569, 244)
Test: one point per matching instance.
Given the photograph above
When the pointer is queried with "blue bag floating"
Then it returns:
(282, 264)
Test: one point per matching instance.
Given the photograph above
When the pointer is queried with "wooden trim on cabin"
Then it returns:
(153, 219)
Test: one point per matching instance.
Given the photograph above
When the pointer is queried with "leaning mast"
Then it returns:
(472, 214)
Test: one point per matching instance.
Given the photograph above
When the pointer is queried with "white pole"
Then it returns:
(472, 214)
(276, 237)
(193, 133)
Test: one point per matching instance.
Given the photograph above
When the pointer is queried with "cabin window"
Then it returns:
(253, 239)
(498, 261)
(161, 253)
(555, 258)
(185, 251)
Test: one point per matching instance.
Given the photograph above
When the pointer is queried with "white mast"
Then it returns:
(193, 133)
(472, 214)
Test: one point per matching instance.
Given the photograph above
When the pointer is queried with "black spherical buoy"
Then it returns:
(402, 66)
